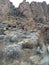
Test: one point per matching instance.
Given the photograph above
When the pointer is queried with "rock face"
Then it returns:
(36, 10)
(24, 7)
(24, 33)
(6, 7)
(40, 11)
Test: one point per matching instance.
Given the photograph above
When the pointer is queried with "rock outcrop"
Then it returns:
(40, 11)
(6, 8)
(24, 7)
(24, 33)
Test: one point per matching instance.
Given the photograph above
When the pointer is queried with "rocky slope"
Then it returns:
(24, 33)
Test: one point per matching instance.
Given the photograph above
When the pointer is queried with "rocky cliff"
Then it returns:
(37, 10)
(24, 33)
(6, 8)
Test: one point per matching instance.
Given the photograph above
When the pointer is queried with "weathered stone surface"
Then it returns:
(40, 11)
(6, 8)
(24, 7)
(24, 33)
